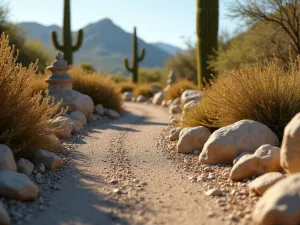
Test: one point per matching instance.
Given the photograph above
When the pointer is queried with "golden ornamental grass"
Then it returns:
(24, 120)
(99, 87)
(143, 89)
(263, 92)
(178, 88)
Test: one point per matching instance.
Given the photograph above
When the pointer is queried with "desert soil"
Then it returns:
(119, 173)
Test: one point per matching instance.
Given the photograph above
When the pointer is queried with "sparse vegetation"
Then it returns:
(263, 92)
(177, 89)
(125, 86)
(151, 75)
(24, 120)
(88, 67)
(143, 89)
(29, 50)
(99, 87)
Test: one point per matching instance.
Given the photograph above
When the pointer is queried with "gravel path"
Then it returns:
(121, 174)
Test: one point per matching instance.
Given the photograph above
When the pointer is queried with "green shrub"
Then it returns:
(178, 88)
(150, 75)
(143, 89)
(87, 67)
(24, 120)
(119, 78)
(263, 92)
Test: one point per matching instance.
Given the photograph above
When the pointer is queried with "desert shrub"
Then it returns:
(263, 92)
(199, 116)
(143, 89)
(38, 85)
(178, 88)
(88, 67)
(100, 88)
(150, 75)
(24, 120)
(125, 86)
(184, 63)
(118, 78)
(29, 50)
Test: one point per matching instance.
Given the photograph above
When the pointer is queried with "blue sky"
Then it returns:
(156, 20)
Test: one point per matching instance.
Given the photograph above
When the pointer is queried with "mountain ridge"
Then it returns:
(105, 45)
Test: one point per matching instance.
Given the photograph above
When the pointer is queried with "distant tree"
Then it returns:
(259, 42)
(88, 67)
(29, 50)
(283, 14)
(184, 63)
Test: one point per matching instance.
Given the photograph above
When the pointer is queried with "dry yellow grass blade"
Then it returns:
(263, 92)
(24, 120)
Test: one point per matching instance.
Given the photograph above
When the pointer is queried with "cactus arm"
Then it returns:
(142, 55)
(128, 68)
(78, 41)
(55, 41)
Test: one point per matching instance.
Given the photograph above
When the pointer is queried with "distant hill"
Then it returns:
(105, 45)
(170, 49)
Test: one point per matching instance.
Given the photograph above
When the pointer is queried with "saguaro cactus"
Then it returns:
(67, 47)
(135, 58)
(207, 25)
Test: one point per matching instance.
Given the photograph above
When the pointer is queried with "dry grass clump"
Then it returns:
(24, 120)
(263, 92)
(100, 88)
(143, 89)
(178, 88)
(38, 85)
(125, 86)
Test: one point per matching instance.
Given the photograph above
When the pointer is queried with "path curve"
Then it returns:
(146, 188)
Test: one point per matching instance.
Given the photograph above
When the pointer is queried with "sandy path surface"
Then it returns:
(120, 175)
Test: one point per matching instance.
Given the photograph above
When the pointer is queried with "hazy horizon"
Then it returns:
(151, 28)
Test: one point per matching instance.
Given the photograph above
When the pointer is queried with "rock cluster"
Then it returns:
(253, 158)
(15, 176)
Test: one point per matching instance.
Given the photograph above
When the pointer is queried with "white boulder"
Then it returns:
(243, 136)
(127, 96)
(113, 114)
(264, 182)
(290, 148)
(49, 159)
(25, 166)
(158, 98)
(17, 186)
(190, 95)
(78, 117)
(7, 160)
(65, 126)
(280, 204)
(83, 103)
(141, 98)
(191, 139)
(174, 134)
(99, 109)
(265, 159)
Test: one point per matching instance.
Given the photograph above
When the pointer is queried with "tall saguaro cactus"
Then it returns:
(67, 47)
(207, 26)
(135, 58)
